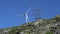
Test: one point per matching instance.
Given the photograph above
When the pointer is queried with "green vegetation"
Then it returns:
(49, 32)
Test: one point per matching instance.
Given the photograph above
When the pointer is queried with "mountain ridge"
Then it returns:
(41, 26)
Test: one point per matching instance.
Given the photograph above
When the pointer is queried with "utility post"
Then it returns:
(37, 14)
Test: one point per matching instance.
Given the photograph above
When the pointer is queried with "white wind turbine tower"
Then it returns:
(26, 15)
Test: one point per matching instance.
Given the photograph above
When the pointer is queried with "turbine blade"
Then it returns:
(27, 18)
(18, 15)
(21, 14)
(28, 10)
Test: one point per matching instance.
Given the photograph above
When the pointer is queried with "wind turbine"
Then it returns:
(26, 15)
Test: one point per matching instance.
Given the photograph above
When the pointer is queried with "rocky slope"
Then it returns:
(41, 26)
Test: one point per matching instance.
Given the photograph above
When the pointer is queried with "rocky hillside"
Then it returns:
(41, 26)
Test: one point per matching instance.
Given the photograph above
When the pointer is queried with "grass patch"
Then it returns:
(49, 32)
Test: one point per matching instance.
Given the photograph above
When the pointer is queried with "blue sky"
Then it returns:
(10, 8)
